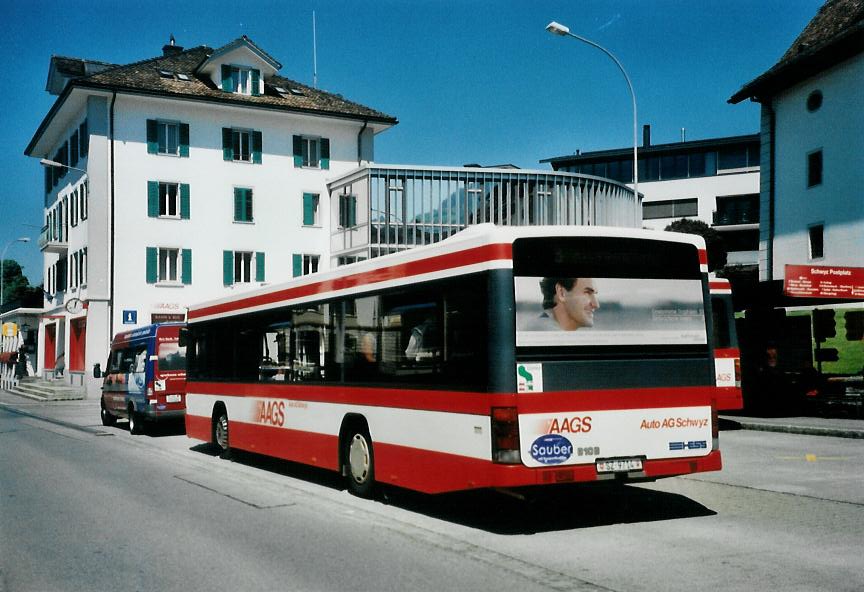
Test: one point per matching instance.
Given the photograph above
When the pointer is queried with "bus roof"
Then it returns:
(478, 248)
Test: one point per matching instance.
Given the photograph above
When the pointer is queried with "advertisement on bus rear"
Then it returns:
(590, 436)
(559, 311)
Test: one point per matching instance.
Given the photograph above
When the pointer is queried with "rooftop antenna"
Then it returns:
(314, 53)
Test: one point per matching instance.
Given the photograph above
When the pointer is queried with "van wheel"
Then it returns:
(136, 422)
(359, 462)
(108, 420)
(220, 432)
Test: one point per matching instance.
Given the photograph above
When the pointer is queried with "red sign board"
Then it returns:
(822, 281)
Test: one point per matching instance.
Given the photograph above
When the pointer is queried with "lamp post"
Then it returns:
(54, 163)
(22, 239)
(559, 29)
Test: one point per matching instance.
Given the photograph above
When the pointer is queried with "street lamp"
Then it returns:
(559, 29)
(23, 239)
(54, 163)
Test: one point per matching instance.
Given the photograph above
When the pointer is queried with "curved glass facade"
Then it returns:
(376, 210)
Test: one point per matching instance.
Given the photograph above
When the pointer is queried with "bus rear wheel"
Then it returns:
(359, 463)
(220, 432)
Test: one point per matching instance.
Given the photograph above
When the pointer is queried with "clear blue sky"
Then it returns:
(470, 81)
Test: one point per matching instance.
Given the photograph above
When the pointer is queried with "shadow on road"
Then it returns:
(523, 511)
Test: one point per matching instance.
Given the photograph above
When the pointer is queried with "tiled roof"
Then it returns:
(75, 67)
(835, 34)
(159, 76)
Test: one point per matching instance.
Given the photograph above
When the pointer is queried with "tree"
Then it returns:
(15, 283)
(714, 243)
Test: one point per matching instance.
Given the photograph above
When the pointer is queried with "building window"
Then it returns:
(82, 206)
(167, 137)
(347, 211)
(817, 244)
(737, 209)
(241, 145)
(241, 81)
(311, 152)
(168, 266)
(677, 208)
(238, 267)
(814, 101)
(169, 200)
(305, 264)
(169, 260)
(243, 205)
(310, 209)
(242, 267)
(814, 168)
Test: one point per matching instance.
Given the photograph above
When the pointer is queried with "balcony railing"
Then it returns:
(52, 241)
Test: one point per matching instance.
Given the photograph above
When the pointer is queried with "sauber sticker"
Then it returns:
(551, 450)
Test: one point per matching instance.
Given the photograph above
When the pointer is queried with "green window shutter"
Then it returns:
(259, 267)
(152, 265)
(184, 201)
(256, 82)
(297, 260)
(153, 199)
(298, 151)
(184, 140)
(352, 211)
(325, 153)
(227, 144)
(226, 78)
(84, 139)
(152, 137)
(239, 205)
(308, 209)
(228, 267)
(257, 147)
(187, 266)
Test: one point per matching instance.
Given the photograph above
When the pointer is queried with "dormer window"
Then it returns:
(241, 80)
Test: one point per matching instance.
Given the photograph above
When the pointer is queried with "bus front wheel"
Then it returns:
(359, 463)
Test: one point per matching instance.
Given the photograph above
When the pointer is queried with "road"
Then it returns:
(84, 507)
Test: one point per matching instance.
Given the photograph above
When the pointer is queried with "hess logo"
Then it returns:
(270, 413)
(569, 425)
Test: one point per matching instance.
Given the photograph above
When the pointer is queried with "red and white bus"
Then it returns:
(450, 366)
(727, 356)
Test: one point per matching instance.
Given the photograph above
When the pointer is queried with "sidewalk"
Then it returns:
(814, 426)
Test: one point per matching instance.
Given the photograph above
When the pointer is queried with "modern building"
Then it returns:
(180, 178)
(714, 180)
(811, 247)
(388, 208)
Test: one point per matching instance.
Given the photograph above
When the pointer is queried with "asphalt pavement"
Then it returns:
(838, 427)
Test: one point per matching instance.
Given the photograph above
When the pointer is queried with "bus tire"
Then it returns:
(108, 419)
(359, 459)
(220, 431)
(136, 422)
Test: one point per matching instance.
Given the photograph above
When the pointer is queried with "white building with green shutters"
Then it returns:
(183, 177)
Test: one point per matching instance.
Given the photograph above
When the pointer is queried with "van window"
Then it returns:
(172, 356)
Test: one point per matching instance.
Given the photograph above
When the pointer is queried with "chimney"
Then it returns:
(646, 136)
(171, 48)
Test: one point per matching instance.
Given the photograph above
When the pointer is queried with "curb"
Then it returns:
(834, 432)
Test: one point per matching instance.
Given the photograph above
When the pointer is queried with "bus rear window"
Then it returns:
(590, 291)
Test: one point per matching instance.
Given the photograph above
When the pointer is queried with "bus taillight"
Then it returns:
(738, 372)
(505, 435)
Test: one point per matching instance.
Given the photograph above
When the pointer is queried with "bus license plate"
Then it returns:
(173, 398)
(620, 465)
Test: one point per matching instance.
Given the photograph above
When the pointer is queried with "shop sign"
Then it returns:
(823, 281)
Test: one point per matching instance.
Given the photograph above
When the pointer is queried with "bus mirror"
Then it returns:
(97, 371)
